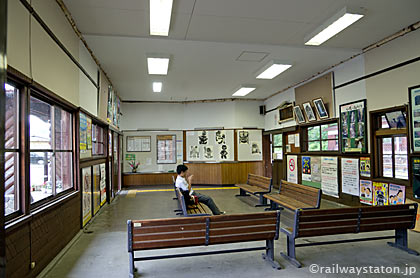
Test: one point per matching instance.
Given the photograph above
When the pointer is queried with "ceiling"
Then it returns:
(207, 37)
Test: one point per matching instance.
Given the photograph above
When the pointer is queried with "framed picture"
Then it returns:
(299, 115)
(414, 98)
(310, 115)
(320, 108)
(138, 144)
(353, 127)
(286, 113)
(396, 119)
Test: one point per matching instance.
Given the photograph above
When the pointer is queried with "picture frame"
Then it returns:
(286, 113)
(414, 117)
(353, 127)
(309, 112)
(136, 144)
(299, 117)
(320, 108)
(396, 119)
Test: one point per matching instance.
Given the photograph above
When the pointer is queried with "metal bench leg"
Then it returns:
(263, 202)
(242, 193)
(401, 242)
(291, 252)
(273, 206)
(269, 254)
(132, 268)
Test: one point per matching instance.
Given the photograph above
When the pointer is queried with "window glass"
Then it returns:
(40, 124)
(41, 175)
(329, 131)
(278, 140)
(313, 133)
(384, 122)
(11, 182)
(387, 168)
(401, 158)
(11, 129)
(314, 146)
(63, 172)
(62, 128)
(330, 145)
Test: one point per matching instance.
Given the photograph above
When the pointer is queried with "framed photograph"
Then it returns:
(414, 120)
(320, 108)
(286, 113)
(353, 127)
(396, 119)
(299, 115)
(310, 115)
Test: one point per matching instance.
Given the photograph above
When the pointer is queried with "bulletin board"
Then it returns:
(210, 145)
(249, 142)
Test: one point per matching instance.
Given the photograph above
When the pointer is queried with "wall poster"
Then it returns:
(213, 145)
(102, 183)
(414, 97)
(380, 194)
(96, 189)
(350, 176)
(166, 149)
(329, 176)
(396, 194)
(138, 144)
(86, 194)
(306, 169)
(415, 173)
(353, 127)
(83, 131)
(292, 170)
(365, 167)
(249, 143)
(366, 192)
(88, 133)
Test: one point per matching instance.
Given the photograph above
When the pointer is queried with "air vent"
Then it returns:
(251, 56)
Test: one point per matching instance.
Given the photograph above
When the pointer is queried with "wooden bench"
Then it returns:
(323, 222)
(193, 210)
(294, 196)
(256, 185)
(203, 231)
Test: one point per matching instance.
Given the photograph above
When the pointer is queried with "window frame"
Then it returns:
(306, 141)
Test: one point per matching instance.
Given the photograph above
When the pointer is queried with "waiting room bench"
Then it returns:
(203, 231)
(193, 210)
(323, 222)
(294, 196)
(256, 185)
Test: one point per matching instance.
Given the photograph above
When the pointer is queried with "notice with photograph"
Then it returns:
(396, 194)
(380, 194)
(350, 176)
(306, 168)
(83, 131)
(353, 126)
(366, 192)
(329, 176)
(365, 167)
(292, 171)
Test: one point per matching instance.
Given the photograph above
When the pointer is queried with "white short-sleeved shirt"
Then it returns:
(182, 184)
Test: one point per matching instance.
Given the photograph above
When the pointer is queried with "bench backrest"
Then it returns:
(202, 230)
(322, 222)
(306, 194)
(260, 181)
(174, 183)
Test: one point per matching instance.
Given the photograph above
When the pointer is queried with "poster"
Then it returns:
(365, 167)
(255, 148)
(415, 118)
(380, 194)
(396, 194)
(366, 192)
(350, 176)
(83, 131)
(208, 152)
(316, 170)
(291, 139)
(353, 126)
(138, 144)
(96, 190)
(88, 133)
(292, 171)
(329, 176)
(306, 169)
(297, 140)
(415, 172)
(130, 157)
(86, 194)
(102, 183)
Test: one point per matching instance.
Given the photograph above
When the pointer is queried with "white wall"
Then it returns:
(88, 93)
(229, 114)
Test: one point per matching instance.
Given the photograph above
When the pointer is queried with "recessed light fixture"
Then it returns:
(160, 17)
(157, 87)
(158, 65)
(340, 21)
(243, 91)
(272, 69)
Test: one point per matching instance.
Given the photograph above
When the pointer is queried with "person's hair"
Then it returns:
(181, 168)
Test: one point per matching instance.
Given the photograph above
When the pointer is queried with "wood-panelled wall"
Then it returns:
(204, 173)
(41, 237)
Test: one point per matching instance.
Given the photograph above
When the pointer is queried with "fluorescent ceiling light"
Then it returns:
(243, 91)
(158, 65)
(157, 87)
(272, 70)
(340, 21)
(160, 17)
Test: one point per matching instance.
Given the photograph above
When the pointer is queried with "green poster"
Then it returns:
(130, 157)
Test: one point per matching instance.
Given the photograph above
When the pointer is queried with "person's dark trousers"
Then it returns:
(208, 201)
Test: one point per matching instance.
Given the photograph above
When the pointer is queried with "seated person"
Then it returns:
(183, 182)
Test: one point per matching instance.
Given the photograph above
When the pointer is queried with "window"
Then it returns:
(51, 155)
(277, 146)
(166, 150)
(322, 137)
(391, 151)
(11, 145)
(98, 144)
